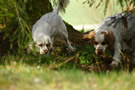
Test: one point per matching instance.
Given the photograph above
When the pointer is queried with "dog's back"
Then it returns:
(50, 23)
(123, 26)
(122, 23)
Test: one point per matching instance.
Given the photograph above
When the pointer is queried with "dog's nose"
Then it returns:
(45, 51)
(99, 52)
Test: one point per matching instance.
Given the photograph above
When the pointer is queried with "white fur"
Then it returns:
(122, 34)
(99, 38)
(49, 27)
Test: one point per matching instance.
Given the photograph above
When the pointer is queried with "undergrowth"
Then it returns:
(87, 55)
(83, 55)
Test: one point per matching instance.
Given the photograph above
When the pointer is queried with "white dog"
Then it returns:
(117, 33)
(49, 27)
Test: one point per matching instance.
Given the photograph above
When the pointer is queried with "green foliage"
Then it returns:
(25, 58)
(87, 56)
(15, 19)
(45, 59)
(18, 16)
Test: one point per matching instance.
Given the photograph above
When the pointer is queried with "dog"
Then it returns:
(117, 33)
(49, 27)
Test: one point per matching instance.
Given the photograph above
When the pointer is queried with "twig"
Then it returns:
(61, 64)
(76, 58)
(66, 60)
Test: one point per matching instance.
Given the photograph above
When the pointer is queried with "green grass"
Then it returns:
(24, 77)
(32, 72)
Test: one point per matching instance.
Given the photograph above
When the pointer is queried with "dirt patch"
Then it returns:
(75, 36)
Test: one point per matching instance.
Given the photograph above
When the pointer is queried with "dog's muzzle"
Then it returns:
(44, 52)
(99, 52)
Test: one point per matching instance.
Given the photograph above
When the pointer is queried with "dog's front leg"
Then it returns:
(51, 44)
(117, 56)
(69, 45)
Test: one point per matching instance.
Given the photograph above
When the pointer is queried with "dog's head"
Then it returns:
(43, 43)
(102, 40)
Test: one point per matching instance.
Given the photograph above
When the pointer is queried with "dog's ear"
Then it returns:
(88, 36)
(85, 37)
(50, 45)
(109, 37)
(91, 35)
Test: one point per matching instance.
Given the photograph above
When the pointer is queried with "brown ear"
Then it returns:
(110, 39)
(91, 35)
(85, 36)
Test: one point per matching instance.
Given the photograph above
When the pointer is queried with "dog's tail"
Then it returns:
(60, 5)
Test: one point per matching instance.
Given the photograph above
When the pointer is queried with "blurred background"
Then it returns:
(82, 16)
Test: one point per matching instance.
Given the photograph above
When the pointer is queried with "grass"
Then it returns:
(25, 77)
(24, 71)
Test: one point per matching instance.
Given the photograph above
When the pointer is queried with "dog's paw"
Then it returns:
(114, 63)
(73, 49)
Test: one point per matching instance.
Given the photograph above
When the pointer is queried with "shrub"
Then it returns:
(87, 56)
(18, 16)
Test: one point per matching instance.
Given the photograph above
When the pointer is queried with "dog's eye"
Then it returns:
(40, 45)
(95, 43)
(103, 43)
(47, 45)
